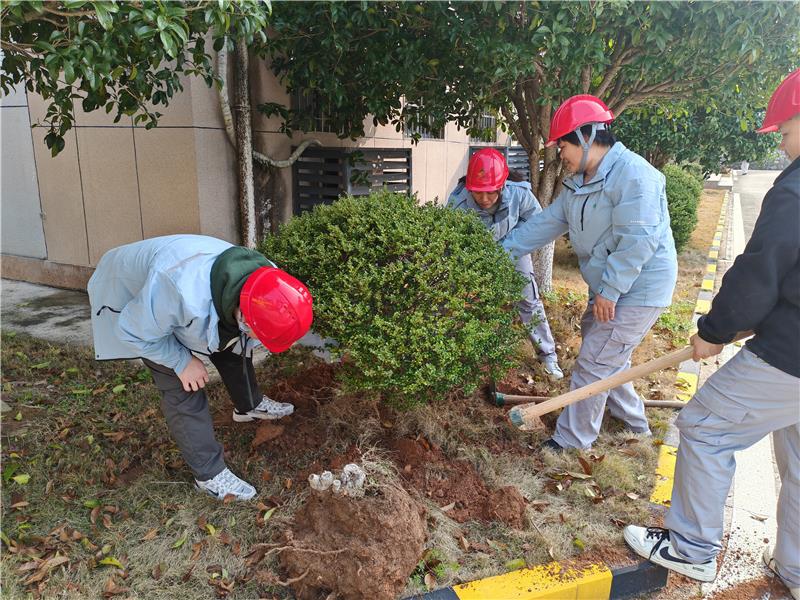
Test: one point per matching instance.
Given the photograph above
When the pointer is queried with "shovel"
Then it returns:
(528, 414)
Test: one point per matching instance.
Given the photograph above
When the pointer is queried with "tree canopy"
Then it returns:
(455, 61)
(126, 57)
(713, 137)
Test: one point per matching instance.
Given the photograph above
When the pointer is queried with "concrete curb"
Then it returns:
(551, 582)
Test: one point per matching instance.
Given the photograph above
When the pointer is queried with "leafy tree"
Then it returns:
(119, 56)
(419, 298)
(709, 136)
(456, 60)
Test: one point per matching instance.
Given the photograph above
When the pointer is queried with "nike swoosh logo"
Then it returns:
(664, 553)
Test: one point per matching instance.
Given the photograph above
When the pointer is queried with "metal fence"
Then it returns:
(321, 175)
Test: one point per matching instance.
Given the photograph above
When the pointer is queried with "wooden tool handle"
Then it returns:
(524, 415)
(520, 415)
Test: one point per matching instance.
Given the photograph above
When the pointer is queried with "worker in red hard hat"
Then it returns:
(755, 393)
(614, 208)
(502, 203)
(168, 299)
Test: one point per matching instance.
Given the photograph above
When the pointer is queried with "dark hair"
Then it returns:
(604, 137)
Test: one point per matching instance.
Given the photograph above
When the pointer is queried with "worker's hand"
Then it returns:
(703, 349)
(603, 309)
(194, 376)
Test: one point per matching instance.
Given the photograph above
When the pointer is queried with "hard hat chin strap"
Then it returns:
(586, 144)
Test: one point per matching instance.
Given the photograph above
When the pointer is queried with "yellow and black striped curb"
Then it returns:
(553, 582)
(689, 371)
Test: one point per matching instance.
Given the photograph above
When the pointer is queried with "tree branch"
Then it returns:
(586, 78)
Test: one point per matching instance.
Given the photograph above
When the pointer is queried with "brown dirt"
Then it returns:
(424, 467)
(356, 547)
(763, 587)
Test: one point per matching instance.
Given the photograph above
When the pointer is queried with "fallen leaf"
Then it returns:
(20, 504)
(18, 416)
(179, 542)
(186, 576)
(288, 484)
(228, 498)
(93, 515)
(464, 543)
(587, 468)
(578, 543)
(22, 478)
(514, 565)
(202, 522)
(211, 529)
(111, 561)
(632, 495)
(150, 535)
(224, 538)
(197, 548)
(266, 475)
(106, 521)
(112, 589)
(450, 506)
(118, 388)
(156, 572)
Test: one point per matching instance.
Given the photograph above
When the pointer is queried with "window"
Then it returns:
(488, 126)
(312, 114)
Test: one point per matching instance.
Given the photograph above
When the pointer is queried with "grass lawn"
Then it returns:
(96, 500)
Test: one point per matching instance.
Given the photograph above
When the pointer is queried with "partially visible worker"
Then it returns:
(755, 393)
(502, 205)
(166, 300)
(614, 207)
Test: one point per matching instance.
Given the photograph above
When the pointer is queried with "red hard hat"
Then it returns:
(277, 307)
(784, 104)
(487, 171)
(575, 112)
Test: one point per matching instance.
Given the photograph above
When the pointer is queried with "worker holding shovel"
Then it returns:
(756, 393)
(168, 298)
(614, 208)
(502, 205)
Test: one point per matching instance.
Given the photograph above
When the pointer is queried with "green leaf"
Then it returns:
(112, 562)
(179, 542)
(169, 44)
(22, 478)
(118, 388)
(268, 514)
(93, 503)
(18, 416)
(211, 529)
(517, 563)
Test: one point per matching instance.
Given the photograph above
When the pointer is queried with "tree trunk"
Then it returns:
(543, 257)
(244, 148)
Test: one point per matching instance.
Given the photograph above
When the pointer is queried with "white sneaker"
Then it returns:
(266, 409)
(773, 566)
(653, 544)
(552, 369)
(224, 484)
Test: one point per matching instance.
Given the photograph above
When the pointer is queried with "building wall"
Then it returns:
(116, 183)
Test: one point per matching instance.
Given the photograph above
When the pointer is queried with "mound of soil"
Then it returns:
(358, 547)
(425, 468)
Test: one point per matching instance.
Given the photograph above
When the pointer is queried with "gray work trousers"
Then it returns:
(531, 306)
(188, 418)
(738, 405)
(606, 349)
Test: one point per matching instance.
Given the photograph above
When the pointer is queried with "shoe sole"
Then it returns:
(216, 497)
(685, 570)
(247, 418)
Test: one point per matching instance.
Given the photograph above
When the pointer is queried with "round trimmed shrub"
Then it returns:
(419, 298)
(683, 195)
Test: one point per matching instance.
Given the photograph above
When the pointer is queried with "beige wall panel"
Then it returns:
(22, 231)
(216, 185)
(419, 161)
(99, 118)
(62, 202)
(206, 111)
(110, 188)
(436, 170)
(384, 132)
(457, 157)
(15, 98)
(165, 159)
(178, 113)
(264, 87)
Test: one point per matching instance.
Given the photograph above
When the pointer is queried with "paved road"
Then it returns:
(751, 189)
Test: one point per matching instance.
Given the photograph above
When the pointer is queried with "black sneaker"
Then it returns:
(552, 445)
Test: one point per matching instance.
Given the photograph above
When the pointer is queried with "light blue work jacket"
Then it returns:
(618, 225)
(517, 204)
(152, 299)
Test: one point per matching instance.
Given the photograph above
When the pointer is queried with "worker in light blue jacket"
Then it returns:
(614, 208)
(168, 299)
(502, 205)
